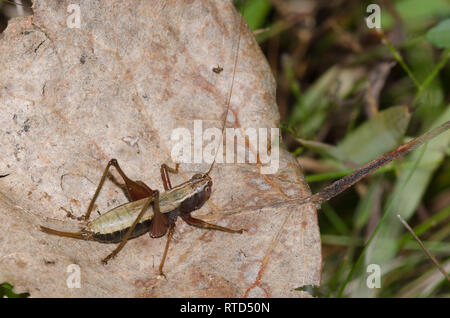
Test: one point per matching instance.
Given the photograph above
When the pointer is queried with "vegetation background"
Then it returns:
(347, 94)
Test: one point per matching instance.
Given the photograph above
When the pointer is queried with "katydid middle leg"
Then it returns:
(169, 238)
(165, 169)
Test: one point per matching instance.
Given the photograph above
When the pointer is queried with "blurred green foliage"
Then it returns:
(324, 63)
(255, 12)
(6, 290)
(439, 36)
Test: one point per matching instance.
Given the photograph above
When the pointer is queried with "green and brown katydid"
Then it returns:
(136, 218)
(156, 213)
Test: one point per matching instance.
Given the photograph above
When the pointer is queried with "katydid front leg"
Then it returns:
(202, 224)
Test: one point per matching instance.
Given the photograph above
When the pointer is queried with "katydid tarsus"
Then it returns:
(150, 211)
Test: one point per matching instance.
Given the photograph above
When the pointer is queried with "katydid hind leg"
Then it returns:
(128, 233)
(97, 192)
(136, 189)
(160, 223)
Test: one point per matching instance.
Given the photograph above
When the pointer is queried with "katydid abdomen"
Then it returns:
(112, 226)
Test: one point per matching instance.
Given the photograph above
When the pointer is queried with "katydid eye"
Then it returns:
(197, 176)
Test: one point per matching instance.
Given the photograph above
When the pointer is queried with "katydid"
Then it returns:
(150, 211)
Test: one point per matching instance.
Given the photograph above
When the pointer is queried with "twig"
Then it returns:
(435, 261)
(377, 228)
(397, 56)
(342, 184)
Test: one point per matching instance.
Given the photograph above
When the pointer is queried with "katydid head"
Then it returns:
(201, 185)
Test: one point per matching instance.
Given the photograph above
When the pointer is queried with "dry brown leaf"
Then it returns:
(71, 99)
